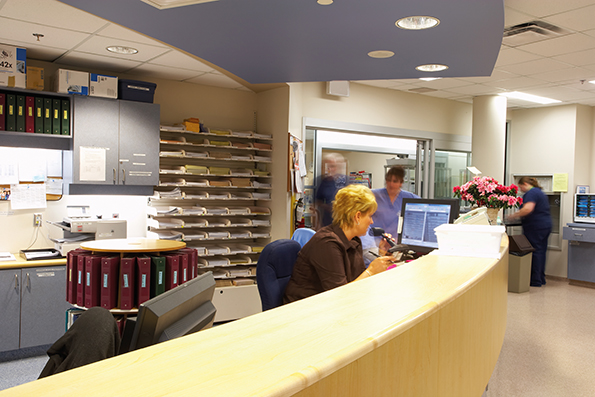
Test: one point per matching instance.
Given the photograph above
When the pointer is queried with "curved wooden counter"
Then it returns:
(432, 327)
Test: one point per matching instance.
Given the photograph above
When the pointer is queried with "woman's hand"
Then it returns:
(379, 265)
(384, 246)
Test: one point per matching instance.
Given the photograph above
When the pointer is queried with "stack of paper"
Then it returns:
(220, 143)
(171, 170)
(198, 182)
(242, 196)
(167, 210)
(220, 155)
(193, 222)
(263, 136)
(217, 234)
(246, 134)
(220, 132)
(217, 250)
(197, 154)
(242, 281)
(259, 234)
(238, 210)
(220, 183)
(243, 145)
(194, 235)
(219, 170)
(172, 153)
(219, 222)
(241, 182)
(260, 172)
(260, 184)
(196, 169)
(261, 196)
(239, 272)
(262, 146)
(261, 222)
(216, 211)
(219, 196)
(170, 223)
(262, 158)
(173, 182)
(239, 249)
(193, 210)
(245, 157)
(240, 260)
(196, 195)
(174, 193)
(260, 210)
(240, 234)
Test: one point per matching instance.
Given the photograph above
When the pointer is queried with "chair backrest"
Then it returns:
(303, 235)
(273, 271)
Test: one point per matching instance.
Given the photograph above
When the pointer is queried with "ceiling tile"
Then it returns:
(377, 83)
(561, 45)
(564, 75)
(443, 94)
(23, 32)
(579, 58)
(578, 20)
(446, 83)
(165, 72)
(535, 66)
(115, 31)
(38, 52)
(513, 17)
(215, 79)
(96, 62)
(510, 56)
(497, 74)
(178, 59)
(542, 8)
(475, 89)
(98, 45)
(517, 82)
(561, 93)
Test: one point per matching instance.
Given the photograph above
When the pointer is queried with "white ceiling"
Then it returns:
(557, 67)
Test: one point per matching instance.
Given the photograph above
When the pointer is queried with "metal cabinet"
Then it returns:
(581, 251)
(116, 142)
(32, 306)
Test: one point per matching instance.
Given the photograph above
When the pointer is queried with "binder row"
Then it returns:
(35, 114)
(115, 282)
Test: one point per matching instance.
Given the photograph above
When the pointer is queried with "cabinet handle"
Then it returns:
(16, 282)
(28, 282)
(123, 175)
(578, 234)
(115, 175)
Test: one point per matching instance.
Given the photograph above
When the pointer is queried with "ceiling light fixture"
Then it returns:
(165, 4)
(431, 67)
(592, 81)
(529, 98)
(429, 78)
(325, 2)
(417, 22)
(117, 49)
(381, 54)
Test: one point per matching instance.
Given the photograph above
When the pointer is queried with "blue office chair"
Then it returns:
(303, 235)
(273, 271)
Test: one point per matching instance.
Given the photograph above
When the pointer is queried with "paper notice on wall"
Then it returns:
(92, 164)
(32, 165)
(53, 186)
(560, 183)
(9, 166)
(25, 196)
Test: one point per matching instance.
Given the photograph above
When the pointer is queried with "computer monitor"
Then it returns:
(180, 311)
(420, 217)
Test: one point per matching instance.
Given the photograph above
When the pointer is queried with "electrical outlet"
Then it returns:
(37, 220)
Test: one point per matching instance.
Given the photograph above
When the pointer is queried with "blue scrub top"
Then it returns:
(540, 218)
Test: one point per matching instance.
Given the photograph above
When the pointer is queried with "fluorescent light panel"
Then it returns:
(529, 98)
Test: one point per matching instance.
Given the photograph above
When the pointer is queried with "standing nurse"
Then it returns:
(537, 225)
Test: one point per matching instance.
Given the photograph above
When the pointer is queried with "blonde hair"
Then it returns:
(349, 200)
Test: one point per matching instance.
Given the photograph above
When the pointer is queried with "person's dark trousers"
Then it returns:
(539, 240)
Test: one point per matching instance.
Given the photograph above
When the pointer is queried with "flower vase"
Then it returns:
(493, 215)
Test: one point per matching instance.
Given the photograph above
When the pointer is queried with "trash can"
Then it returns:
(519, 263)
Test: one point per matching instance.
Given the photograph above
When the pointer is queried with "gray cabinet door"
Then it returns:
(10, 308)
(139, 143)
(43, 305)
(96, 129)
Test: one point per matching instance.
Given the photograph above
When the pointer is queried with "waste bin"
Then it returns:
(519, 263)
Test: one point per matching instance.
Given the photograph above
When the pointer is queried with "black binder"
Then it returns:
(65, 123)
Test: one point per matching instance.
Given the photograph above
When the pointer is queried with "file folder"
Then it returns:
(56, 120)
(110, 270)
(20, 113)
(2, 111)
(38, 115)
(65, 122)
(11, 112)
(126, 295)
(157, 275)
(92, 277)
(47, 116)
(29, 114)
(143, 279)
(172, 269)
(80, 279)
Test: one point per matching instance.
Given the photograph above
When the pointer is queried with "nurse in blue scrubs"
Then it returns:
(537, 225)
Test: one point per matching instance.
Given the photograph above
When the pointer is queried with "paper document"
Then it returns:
(6, 256)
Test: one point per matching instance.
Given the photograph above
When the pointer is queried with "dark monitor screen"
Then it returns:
(180, 311)
(421, 216)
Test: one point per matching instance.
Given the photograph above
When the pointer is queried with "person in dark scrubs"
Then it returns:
(537, 225)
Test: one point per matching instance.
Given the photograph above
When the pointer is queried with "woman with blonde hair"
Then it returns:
(333, 256)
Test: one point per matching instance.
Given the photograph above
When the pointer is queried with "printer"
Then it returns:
(79, 225)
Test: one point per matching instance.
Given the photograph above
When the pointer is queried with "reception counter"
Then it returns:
(432, 327)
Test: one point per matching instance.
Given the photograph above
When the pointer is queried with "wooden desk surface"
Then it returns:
(132, 245)
(22, 262)
(432, 327)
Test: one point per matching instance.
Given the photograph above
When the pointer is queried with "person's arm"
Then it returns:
(528, 208)
(378, 265)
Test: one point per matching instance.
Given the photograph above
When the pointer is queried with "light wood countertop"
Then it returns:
(432, 327)
(22, 262)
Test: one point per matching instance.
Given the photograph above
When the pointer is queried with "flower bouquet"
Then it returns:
(484, 191)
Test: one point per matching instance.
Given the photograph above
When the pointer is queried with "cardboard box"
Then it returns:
(71, 82)
(103, 86)
(35, 78)
(13, 66)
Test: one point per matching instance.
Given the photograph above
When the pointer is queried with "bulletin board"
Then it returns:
(30, 177)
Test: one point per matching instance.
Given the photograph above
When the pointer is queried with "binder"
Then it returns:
(80, 279)
(172, 268)
(38, 115)
(71, 274)
(29, 114)
(56, 120)
(143, 279)
(192, 260)
(92, 283)
(184, 269)
(126, 283)
(11, 112)
(157, 275)
(2, 111)
(20, 113)
(110, 270)
(65, 122)
(47, 116)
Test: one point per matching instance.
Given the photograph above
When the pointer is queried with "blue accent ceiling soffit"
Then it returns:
(276, 41)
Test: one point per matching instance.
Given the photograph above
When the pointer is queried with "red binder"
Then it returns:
(126, 296)
(143, 277)
(29, 114)
(2, 112)
(172, 269)
(184, 267)
(71, 274)
(92, 277)
(192, 260)
(80, 279)
(108, 295)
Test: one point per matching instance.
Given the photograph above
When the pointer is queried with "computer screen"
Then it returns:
(420, 217)
(180, 311)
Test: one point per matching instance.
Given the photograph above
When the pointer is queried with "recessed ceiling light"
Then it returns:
(429, 78)
(417, 22)
(324, 2)
(592, 81)
(529, 97)
(431, 67)
(381, 54)
(164, 4)
(122, 50)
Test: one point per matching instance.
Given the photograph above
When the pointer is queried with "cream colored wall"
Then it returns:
(543, 141)
(583, 143)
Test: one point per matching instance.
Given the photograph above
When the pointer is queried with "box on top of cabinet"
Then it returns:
(13, 66)
(103, 86)
(35, 78)
(71, 82)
